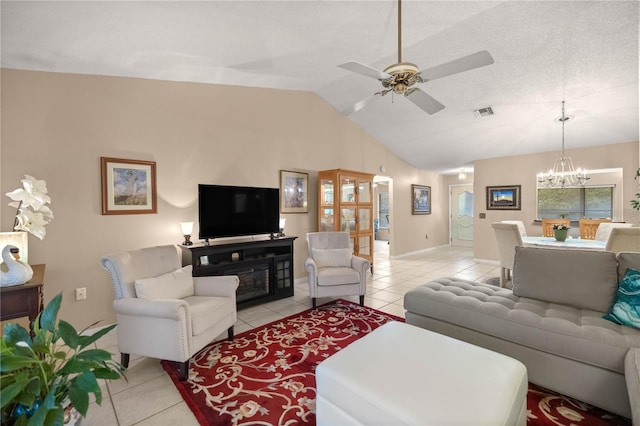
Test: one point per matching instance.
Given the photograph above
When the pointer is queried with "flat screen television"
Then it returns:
(230, 211)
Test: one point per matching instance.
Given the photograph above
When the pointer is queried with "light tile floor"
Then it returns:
(149, 397)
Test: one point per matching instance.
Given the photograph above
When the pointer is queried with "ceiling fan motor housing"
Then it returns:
(403, 76)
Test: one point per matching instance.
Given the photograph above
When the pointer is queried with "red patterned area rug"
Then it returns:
(266, 376)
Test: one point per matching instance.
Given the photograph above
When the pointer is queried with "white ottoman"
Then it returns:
(403, 374)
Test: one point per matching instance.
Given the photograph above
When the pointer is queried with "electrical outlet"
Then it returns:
(81, 293)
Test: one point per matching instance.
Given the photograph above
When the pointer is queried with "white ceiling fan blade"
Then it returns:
(424, 101)
(358, 105)
(466, 63)
(363, 69)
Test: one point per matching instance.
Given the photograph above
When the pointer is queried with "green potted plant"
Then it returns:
(560, 231)
(43, 373)
(635, 203)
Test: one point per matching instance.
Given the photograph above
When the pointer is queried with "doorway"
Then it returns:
(382, 214)
(461, 215)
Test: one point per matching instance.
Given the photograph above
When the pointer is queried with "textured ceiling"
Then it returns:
(545, 51)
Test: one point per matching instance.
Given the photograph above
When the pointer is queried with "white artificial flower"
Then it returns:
(31, 221)
(31, 200)
(32, 194)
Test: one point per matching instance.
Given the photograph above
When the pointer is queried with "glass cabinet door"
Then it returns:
(348, 219)
(347, 190)
(326, 219)
(364, 245)
(364, 219)
(326, 191)
(364, 191)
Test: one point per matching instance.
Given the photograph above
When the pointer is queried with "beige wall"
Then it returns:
(57, 126)
(521, 170)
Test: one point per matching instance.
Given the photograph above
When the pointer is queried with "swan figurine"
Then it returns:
(14, 272)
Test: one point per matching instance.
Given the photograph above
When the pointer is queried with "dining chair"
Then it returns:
(508, 237)
(623, 239)
(604, 230)
(521, 227)
(547, 225)
(589, 227)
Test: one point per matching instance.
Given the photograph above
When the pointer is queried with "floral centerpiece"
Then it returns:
(560, 231)
(43, 373)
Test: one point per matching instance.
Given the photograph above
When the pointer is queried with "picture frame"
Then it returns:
(294, 192)
(420, 199)
(503, 197)
(128, 186)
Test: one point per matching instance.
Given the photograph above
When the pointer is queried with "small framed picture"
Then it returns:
(503, 197)
(294, 192)
(128, 186)
(420, 199)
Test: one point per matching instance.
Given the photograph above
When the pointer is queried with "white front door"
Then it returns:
(461, 214)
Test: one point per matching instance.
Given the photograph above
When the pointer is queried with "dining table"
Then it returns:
(569, 243)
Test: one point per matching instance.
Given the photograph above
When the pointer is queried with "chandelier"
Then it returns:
(563, 173)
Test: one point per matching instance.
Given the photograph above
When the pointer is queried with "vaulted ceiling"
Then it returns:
(583, 52)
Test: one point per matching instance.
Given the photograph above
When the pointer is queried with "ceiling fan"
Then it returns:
(400, 78)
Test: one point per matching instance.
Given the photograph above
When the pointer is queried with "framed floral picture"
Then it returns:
(503, 197)
(128, 186)
(294, 192)
(420, 199)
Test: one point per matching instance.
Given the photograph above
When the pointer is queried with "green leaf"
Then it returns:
(81, 386)
(107, 373)
(86, 340)
(14, 333)
(16, 362)
(49, 315)
(68, 334)
(10, 392)
(94, 355)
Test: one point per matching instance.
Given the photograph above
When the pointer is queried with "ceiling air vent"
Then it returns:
(483, 112)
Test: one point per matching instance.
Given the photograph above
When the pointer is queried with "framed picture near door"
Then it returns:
(503, 197)
(420, 199)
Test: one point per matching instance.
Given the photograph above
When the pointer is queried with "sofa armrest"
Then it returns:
(311, 267)
(359, 264)
(158, 308)
(216, 286)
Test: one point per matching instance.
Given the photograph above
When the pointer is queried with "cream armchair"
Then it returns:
(332, 268)
(162, 311)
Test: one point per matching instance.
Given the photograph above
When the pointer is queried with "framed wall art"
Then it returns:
(128, 186)
(503, 197)
(294, 192)
(420, 199)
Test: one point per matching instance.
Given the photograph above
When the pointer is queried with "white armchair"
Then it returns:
(332, 268)
(162, 311)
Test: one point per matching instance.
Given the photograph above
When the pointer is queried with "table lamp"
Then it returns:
(187, 229)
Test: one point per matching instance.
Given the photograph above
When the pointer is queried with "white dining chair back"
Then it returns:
(604, 229)
(624, 239)
(508, 237)
(521, 228)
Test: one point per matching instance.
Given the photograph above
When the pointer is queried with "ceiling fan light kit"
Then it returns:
(400, 77)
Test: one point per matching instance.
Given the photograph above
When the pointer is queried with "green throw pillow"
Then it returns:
(626, 309)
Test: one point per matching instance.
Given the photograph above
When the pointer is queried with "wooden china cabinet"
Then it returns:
(345, 203)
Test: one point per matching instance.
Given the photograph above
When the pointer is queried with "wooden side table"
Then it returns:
(24, 300)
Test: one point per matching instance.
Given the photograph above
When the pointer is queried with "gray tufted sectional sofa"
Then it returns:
(551, 321)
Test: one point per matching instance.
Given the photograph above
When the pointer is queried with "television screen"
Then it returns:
(229, 211)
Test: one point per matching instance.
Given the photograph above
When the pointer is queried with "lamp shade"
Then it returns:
(187, 228)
